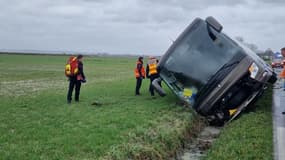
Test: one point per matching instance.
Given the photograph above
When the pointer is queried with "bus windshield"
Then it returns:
(199, 55)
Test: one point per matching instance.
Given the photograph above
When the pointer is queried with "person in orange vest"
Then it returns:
(139, 74)
(151, 72)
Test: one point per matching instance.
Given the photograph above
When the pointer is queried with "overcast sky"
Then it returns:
(132, 26)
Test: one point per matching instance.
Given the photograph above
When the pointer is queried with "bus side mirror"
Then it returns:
(214, 23)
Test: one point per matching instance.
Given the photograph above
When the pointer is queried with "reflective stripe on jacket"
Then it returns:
(152, 64)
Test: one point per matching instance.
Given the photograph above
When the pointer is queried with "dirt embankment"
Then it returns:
(197, 148)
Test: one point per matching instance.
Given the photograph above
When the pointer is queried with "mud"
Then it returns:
(201, 144)
(97, 103)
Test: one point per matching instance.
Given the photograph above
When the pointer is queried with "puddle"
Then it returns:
(199, 146)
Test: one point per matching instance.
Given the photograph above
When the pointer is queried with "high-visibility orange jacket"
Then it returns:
(152, 66)
(139, 70)
(282, 73)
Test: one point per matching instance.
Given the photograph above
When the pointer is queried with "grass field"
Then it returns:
(37, 123)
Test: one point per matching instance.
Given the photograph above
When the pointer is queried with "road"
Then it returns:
(279, 120)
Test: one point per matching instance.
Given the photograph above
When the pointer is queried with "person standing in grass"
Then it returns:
(139, 74)
(151, 72)
(76, 79)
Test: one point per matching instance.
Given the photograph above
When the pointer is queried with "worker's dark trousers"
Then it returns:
(151, 89)
(138, 85)
(73, 82)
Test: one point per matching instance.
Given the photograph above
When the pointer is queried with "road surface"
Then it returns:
(279, 121)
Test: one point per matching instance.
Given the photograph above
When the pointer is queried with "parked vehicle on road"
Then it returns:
(214, 74)
(277, 63)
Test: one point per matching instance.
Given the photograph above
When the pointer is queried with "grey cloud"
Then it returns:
(131, 26)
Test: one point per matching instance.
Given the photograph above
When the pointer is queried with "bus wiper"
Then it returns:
(227, 65)
(215, 78)
(211, 82)
(217, 75)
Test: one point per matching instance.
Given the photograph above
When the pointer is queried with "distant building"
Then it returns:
(277, 55)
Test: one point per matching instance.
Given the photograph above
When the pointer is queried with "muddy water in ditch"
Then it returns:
(199, 146)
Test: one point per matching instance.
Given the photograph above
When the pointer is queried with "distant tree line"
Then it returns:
(267, 54)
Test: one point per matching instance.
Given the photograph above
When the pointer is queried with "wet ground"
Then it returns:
(201, 144)
(279, 120)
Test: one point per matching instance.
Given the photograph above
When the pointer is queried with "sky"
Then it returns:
(132, 26)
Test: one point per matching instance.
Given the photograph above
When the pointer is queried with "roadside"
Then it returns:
(40, 123)
(248, 137)
(279, 120)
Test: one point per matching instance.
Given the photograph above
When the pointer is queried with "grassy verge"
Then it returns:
(249, 137)
(36, 122)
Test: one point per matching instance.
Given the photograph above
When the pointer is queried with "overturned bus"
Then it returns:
(214, 74)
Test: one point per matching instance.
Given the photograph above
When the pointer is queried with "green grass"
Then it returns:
(249, 137)
(36, 122)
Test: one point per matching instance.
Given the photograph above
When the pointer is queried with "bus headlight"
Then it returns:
(253, 70)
